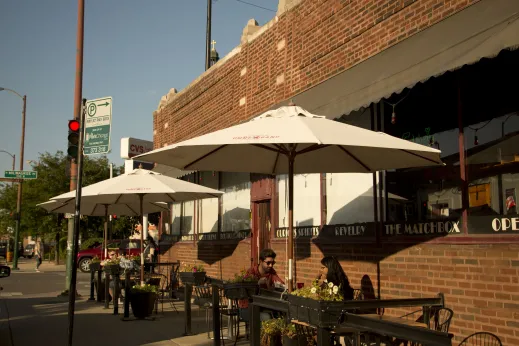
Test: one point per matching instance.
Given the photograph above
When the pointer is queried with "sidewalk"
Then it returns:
(46, 315)
(27, 265)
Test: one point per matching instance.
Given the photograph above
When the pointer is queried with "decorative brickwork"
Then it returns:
(321, 39)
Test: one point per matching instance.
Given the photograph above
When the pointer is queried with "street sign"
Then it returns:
(98, 124)
(21, 174)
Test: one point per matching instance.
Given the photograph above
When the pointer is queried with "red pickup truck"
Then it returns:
(123, 247)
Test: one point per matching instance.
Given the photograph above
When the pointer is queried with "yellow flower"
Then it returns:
(313, 290)
(335, 289)
(330, 284)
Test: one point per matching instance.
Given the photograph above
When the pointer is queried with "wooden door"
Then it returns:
(261, 229)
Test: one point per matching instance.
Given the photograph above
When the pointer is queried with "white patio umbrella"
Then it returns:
(290, 140)
(140, 187)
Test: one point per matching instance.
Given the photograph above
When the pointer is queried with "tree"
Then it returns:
(53, 179)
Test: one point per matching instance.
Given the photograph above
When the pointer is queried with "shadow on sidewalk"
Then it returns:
(35, 318)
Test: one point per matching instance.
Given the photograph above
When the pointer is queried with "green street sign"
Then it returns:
(98, 125)
(21, 174)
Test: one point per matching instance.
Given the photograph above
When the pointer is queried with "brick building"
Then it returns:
(440, 73)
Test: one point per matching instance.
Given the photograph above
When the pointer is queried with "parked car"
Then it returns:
(124, 247)
(28, 252)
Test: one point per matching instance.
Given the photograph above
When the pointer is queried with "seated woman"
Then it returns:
(331, 271)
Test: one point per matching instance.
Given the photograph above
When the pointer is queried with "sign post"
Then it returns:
(98, 125)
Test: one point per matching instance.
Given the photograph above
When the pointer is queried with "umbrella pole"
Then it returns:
(290, 219)
(141, 196)
(105, 235)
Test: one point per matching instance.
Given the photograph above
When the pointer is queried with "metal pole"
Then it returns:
(78, 92)
(290, 218)
(208, 37)
(19, 199)
(141, 197)
(72, 291)
(14, 164)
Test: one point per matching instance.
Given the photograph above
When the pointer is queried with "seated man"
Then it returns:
(267, 278)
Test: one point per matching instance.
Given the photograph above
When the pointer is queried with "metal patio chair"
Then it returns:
(481, 339)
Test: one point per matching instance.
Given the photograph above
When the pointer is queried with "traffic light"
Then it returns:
(73, 138)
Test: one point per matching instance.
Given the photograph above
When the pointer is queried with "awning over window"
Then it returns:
(479, 31)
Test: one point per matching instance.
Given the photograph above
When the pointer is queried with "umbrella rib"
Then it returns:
(417, 155)
(262, 146)
(206, 155)
(312, 148)
(281, 148)
(355, 158)
(128, 206)
(275, 163)
(174, 200)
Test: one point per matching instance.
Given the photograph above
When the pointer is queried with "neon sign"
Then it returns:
(425, 139)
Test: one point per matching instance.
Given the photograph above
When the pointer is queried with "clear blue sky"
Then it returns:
(134, 51)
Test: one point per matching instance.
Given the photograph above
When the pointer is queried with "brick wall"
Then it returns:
(302, 48)
(480, 282)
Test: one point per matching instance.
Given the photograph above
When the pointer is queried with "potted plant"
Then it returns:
(242, 286)
(95, 264)
(271, 332)
(142, 300)
(192, 274)
(318, 305)
(111, 265)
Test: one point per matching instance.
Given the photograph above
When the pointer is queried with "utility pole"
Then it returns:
(208, 37)
(19, 198)
(78, 91)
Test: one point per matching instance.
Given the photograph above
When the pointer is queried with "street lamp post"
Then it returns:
(19, 199)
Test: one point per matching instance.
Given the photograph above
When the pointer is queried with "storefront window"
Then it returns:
(235, 201)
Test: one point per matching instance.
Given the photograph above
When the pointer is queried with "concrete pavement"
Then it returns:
(36, 315)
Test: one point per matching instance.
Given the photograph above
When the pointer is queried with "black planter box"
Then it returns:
(113, 269)
(319, 313)
(142, 304)
(240, 290)
(297, 341)
(95, 266)
(196, 278)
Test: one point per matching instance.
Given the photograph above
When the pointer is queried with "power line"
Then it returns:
(263, 8)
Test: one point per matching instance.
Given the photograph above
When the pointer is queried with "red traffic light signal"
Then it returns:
(114, 217)
(73, 125)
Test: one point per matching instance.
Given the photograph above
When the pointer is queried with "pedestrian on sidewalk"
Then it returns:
(38, 253)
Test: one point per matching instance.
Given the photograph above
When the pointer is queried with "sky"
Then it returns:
(134, 51)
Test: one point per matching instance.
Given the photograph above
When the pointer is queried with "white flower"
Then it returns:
(335, 289)
(330, 291)
(325, 281)
(313, 290)
(330, 284)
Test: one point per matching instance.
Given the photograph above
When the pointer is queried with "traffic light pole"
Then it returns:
(72, 291)
(77, 113)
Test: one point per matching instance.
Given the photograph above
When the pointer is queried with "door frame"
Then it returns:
(255, 227)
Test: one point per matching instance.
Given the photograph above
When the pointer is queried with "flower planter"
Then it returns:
(95, 266)
(113, 269)
(142, 304)
(194, 278)
(240, 290)
(319, 313)
(273, 340)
